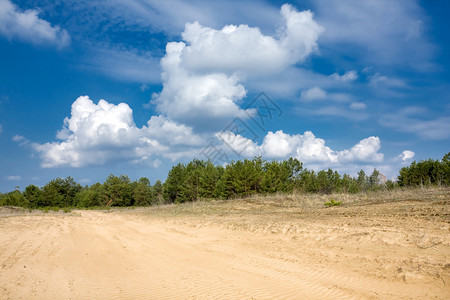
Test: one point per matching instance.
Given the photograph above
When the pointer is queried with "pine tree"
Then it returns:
(173, 184)
(362, 180)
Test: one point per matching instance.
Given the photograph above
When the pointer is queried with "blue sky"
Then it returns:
(92, 88)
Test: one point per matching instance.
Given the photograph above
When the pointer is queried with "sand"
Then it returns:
(272, 248)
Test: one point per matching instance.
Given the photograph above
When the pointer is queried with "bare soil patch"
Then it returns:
(382, 245)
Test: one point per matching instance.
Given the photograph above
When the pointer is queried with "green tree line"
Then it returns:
(115, 191)
(426, 173)
(200, 179)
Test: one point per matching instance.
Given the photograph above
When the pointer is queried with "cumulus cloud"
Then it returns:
(171, 133)
(203, 85)
(347, 76)
(314, 93)
(245, 49)
(27, 26)
(97, 133)
(13, 177)
(238, 143)
(203, 75)
(103, 132)
(279, 144)
(306, 147)
(186, 97)
(406, 155)
(365, 150)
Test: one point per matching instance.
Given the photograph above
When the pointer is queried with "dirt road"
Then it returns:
(142, 255)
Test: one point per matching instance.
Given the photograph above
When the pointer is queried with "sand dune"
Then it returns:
(248, 252)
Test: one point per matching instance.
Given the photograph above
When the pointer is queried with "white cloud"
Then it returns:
(13, 177)
(279, 144)
(406, 155)
(307, 148)
(187, 97)
(238, 143)
(202, 86)
(245, 49)
(27, 26)
(97, 133)
(314, 93)
(22, 141)
(203, 76)
(171, 133)
(346, 77)
(365, 150)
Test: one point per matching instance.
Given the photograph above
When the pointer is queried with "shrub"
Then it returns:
(333, 202)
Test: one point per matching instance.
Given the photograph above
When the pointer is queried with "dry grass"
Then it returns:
(263, 211)
(299, 202)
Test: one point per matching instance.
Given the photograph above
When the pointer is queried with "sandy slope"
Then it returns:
(362, 251)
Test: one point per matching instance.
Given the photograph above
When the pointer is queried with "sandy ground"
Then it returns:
(271, 248)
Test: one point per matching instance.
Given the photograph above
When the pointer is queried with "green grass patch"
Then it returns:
(333, 202)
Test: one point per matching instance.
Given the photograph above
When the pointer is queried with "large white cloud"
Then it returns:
(202, 87)
(245, 49)
(307, 148)
(97, 133)
(27, 26)
(186, 97)
(203, 76)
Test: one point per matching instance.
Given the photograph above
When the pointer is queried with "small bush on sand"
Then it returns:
(333, 202)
